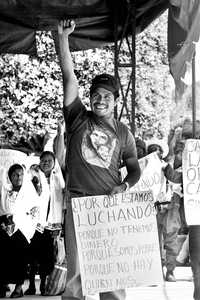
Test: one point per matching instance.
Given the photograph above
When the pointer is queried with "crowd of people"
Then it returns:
(31, 216)
(34, 207)
(170, 214)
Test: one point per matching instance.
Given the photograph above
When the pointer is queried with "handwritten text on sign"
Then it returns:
(117, 241)
(9, 157)
(191, 181)
(152, 177)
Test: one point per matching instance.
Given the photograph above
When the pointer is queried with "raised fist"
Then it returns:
(66, 27)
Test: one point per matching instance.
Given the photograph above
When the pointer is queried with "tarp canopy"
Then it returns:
(95, 19)
(20, 19)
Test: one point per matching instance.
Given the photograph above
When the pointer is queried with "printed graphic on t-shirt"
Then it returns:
(98, 146)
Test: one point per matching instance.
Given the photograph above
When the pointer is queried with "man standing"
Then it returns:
(97, 144)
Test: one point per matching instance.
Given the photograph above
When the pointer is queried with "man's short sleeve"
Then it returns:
(129, 148)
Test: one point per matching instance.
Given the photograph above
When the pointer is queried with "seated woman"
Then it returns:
(19, 212)
(48, 174)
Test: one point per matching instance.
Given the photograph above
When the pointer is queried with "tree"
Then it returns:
(153, 80)
(31, 88)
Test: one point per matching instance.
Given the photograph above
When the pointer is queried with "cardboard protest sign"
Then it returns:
(152, 178)
(191, 181)
(117, 241)
(9, 157)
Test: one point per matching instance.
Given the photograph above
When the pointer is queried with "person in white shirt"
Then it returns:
(19, 214)
(50, 188)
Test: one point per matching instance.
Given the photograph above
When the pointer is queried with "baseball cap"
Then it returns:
(106, 81)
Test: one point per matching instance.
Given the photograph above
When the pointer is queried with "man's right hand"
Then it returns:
(70, 83)
(66, 27)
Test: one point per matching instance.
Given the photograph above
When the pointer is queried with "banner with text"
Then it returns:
(117, 241)
(9, 157)
(152, 178)
(191, 181)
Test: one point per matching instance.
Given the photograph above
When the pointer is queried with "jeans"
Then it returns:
(168, 227)
(194, 249)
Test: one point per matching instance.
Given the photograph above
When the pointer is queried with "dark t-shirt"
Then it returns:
(95, 151)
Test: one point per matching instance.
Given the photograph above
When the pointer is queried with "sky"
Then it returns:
(188, 76)
(198, 61)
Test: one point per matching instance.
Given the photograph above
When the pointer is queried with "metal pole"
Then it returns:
(133, 67)
(130, 22)
(116, 52)
(194, 96)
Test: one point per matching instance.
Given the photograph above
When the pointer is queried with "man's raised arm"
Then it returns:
(70, 84)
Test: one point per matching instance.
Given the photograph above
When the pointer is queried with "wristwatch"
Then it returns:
(127, 186)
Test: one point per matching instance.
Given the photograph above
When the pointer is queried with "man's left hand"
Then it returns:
(118, 189)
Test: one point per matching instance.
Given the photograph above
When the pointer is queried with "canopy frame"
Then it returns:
(125, 108)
